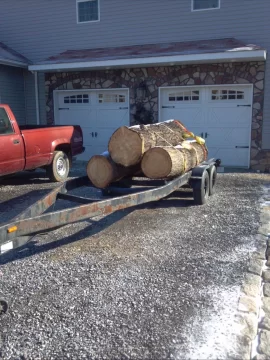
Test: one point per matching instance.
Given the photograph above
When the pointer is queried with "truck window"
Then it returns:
(5, 125)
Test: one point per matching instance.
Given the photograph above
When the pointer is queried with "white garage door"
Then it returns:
(220, 114)
(98, 112)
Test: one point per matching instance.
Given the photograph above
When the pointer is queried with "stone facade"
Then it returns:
(152, 78)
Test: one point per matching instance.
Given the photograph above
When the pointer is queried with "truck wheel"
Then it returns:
(202, 193)
(3, 306)
(212, 180)
(59, 168)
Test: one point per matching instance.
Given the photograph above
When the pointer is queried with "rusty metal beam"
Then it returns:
(32, 225)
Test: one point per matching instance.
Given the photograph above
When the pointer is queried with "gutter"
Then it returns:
(13, 63)
(229, 56)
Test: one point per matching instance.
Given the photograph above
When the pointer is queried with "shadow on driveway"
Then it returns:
(176, 199)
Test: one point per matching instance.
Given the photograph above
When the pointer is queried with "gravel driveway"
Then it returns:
(160, 281)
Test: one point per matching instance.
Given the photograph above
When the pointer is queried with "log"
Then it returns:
(128, 144)
(168, 162)
(102, 170)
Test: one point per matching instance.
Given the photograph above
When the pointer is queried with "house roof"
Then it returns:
(12, 58)
(217, 50)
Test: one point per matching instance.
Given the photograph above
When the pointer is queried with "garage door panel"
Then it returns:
(229, 156)
(191, 117)
(228, 116)
(88, 135)
(74, 116)
(88, 153)
(112, 118)
(229, 136)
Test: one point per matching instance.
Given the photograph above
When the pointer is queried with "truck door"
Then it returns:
(11, 146)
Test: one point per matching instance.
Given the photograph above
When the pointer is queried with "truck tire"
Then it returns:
(58, 170)
(201, 194)
(212, 180)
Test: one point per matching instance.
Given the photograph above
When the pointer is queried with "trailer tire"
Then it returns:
(212, 179)
(201, 193)
(3, 306)
(58, 170)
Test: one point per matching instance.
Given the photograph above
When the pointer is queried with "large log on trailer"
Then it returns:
(168, 162)
(128, 144)
(102, 170)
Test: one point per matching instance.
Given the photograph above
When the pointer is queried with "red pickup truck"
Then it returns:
(30, 147)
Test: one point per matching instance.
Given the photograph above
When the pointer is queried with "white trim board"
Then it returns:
(229, 56)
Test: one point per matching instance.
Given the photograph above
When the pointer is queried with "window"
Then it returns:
(111, 98)
(227, 95)
(205, 4)
(188, 95)
(77, 99)
(87, 10)
(5, 125)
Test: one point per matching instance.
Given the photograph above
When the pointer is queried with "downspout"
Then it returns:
(37, 97)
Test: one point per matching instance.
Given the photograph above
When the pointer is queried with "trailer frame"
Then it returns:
(121, 195)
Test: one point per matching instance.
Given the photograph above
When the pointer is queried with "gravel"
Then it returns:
(160, 281)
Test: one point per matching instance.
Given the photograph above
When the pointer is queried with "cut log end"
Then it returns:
(156, 163)
(99, 171)
(125, 146)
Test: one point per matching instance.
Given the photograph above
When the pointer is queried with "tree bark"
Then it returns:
(168, 162)
(102, 170)
(127, 145)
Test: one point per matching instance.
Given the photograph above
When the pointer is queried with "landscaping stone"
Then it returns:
(265, 323)
(264, 343)
(248, 304)
(266, 276)
(255, 266)
(266, 290)
(261, 357)
(246, 325)
(264, 229)
(241, 350)
(252, 285)
(260, 253)
(266, 306)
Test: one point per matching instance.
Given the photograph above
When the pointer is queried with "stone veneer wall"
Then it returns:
(155, 77)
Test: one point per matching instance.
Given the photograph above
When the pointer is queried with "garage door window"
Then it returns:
(111, 98)
(183, 96)
(77, 99)
(227, 94)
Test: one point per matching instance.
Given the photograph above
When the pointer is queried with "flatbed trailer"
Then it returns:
(121, 195)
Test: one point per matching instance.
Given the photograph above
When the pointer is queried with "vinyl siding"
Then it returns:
(42, 28)
(12, 90)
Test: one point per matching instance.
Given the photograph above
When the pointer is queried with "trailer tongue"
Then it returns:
(36, 218)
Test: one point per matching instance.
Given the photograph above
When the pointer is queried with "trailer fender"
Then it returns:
(196, 177)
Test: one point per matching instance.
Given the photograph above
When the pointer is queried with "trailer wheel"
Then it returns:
(58, 170)
(212, 180)
(3, 306)
(201, 194)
